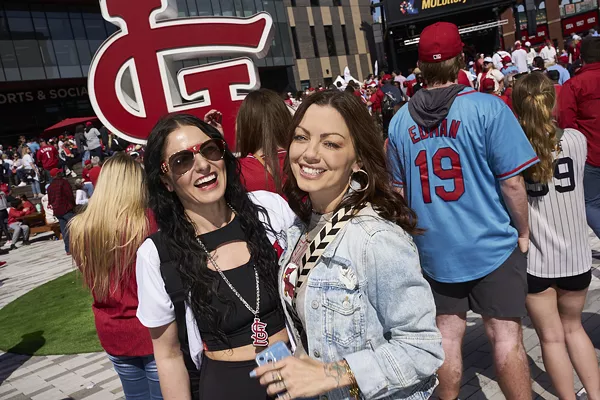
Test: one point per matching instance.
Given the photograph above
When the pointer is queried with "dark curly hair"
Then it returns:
(180, 234)
(368, 144)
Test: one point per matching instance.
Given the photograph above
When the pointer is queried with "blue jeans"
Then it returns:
(35, 187)
(85, 156)
(139, 377)
(591, 186)
(63, 220)
(89, 188)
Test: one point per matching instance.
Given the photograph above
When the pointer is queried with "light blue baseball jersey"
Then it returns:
(450, 177)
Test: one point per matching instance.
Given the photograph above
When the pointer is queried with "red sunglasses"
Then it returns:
(183, 161)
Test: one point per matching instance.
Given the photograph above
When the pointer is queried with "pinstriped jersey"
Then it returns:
(558, 228)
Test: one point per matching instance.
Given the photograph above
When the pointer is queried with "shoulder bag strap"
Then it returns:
(174, 288)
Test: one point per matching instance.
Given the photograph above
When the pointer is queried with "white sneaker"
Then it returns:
(8, 243)
(73, 174)
(21, 184)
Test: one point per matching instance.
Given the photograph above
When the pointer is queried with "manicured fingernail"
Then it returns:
(252, 374)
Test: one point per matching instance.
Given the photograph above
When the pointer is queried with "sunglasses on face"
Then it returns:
(183, 161)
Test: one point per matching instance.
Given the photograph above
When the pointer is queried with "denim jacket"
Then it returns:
(366, 301)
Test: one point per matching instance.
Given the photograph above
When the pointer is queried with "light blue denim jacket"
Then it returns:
(366, 301)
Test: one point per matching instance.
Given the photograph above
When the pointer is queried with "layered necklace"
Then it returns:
(260, 337)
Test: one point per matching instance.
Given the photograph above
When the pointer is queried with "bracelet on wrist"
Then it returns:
(353, 389)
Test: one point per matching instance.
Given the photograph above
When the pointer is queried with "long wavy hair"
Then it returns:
(369, 147)
(179, 231)
(262, 123)
(105, 237)
(534, 98)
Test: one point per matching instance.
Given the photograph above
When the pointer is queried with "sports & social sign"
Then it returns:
(134, 80)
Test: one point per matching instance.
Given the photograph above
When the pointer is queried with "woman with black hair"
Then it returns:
(219, 245)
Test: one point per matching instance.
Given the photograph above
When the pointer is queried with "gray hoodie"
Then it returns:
(429, 107)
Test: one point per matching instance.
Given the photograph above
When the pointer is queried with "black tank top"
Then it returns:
(237, 323)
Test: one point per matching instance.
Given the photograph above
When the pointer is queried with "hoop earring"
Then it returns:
(355, 185)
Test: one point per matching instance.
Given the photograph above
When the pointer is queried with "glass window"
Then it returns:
(227, 8)
(346, 47)
(192, 8)
(9, 61)
(330, 41)
(78, 29)
(249, 7)
(314, 40)
(94, 29)
(295, 40)
(305, 85)
(337, 3)
(314, 3)
(293, 3)
(29, 59)
(204, 7)
(21, 28)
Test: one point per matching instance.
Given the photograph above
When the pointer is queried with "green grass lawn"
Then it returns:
(55, 318)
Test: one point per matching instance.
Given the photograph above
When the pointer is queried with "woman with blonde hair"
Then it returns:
(104, 249)
(559, 260)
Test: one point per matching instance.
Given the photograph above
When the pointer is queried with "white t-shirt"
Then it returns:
(530, 56)
(520, 60)
(81, 197)
(155, 308)
(497, 58)
(27, 162)
(548, 54)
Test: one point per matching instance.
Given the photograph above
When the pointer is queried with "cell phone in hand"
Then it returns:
(276, 352)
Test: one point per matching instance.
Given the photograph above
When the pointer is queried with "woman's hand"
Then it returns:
(294, 378)
(214, 118)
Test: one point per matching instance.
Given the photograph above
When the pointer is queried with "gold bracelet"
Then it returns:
(354, 389)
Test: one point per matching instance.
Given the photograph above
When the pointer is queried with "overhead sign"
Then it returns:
(539, 37)
(29, 96)
(405, 11)
(134, 78)
(580, 23)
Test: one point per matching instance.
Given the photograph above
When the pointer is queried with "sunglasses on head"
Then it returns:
(183, 161)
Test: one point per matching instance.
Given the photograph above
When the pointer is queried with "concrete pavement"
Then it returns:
(91, 376)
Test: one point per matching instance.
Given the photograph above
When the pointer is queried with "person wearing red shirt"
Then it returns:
(262, 125)
(15, 215)
(62, 201)
(574, 49)
(579, 108)
(47, 155)
(94, 172)
(107, 262)
(28, 207)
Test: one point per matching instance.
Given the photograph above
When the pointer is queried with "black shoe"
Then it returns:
(26, 243)
(13, 247)
(3, 252)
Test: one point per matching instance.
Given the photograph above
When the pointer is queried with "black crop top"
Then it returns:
(239, 320)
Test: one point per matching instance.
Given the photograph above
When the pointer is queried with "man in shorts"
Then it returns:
(457, 155)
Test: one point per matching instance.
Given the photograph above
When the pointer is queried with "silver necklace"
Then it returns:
(260, 337)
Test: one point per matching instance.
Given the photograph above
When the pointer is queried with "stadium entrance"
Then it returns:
(478, 22)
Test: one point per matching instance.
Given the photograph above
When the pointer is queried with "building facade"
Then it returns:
(46, 48)
(328, 36)
(554, 19)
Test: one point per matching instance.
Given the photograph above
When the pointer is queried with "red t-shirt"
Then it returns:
(119, 330)
(93, 174)
(254, 177)
(30, 207)
(14, 215)
(48, 156)
(375, 99)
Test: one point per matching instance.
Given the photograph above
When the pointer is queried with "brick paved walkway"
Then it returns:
(91, 376)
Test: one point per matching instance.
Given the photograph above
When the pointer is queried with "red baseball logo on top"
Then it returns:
(133, 80)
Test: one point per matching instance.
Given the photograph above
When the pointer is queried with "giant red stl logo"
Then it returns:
(133, 80)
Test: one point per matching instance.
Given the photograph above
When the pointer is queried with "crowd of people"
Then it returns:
(333, 230)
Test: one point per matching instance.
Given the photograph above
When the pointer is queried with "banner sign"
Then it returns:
(580, 23)
(540, 36)
(28, 96)
(134, 79)
(405, 11)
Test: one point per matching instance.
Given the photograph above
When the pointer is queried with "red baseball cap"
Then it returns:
(506, 59)
(386, 77)
(88, 123)
(54, 172)
(440, 42)
(488, 84)
(87, 162)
